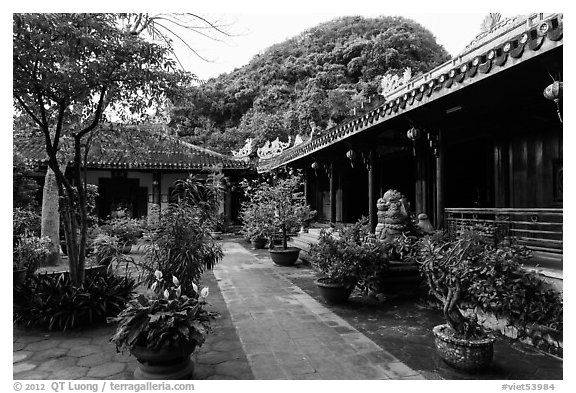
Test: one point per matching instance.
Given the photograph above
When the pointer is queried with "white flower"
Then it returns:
(195, 287)
(178, 291)
(153, 287)
(175, 281)
(158, 275)
(166, 294)
(205, 292)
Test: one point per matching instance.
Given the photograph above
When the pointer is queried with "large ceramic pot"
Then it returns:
(285, 257)
(467, 355)
(334, 292)
(166, 363)
(258, 243)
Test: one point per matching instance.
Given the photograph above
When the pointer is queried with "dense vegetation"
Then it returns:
(313, 79)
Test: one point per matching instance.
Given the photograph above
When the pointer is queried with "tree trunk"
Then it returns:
(50, 222)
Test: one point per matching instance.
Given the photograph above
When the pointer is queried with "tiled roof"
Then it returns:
(137, 147)
(521, 38)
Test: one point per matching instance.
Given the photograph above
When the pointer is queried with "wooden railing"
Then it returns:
(537, 229)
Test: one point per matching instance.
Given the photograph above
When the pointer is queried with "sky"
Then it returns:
(252, 33)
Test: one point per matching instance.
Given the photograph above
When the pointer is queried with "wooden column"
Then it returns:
(228, 203)
(333, 185)
(372, 211)
(440, 162)
(501, 194)
(156, 188)
(306, 186)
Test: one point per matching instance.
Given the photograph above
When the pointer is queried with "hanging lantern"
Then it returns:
(414, 134)
(553, 92)
(351, 154)
(315, 166)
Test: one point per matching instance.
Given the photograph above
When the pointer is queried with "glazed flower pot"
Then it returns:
(466, 355)
(334, 292)
(285, 257)
(258, 243)
(165, 363)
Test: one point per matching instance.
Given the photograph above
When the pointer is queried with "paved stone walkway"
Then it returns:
(286, 334)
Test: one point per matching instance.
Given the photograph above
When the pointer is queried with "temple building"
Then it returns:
(135, 168)
(477, 140)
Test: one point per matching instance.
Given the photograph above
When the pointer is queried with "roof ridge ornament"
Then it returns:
(391, 82)
(272, 149)
(246, 150)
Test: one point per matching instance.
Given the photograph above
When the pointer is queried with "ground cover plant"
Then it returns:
(55, 302)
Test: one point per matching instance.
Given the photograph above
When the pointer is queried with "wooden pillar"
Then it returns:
(372, 210)
(501, 194)
(440, 162)
(306, 186)
(333, 185)
(228, 203)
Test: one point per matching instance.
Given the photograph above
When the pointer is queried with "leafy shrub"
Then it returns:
(24, 186)
(30, 252)
(54, 303)
(163, 319)
(106, 248)
(181, 245)
(346, 255)
(468, 272)
(24, 222)
(126, 230)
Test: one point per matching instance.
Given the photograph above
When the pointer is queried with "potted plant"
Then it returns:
(29, 253)
(283, 208)
(470, 275)
(254, 221)
(343, 258)
(163, 328)
(219, 226)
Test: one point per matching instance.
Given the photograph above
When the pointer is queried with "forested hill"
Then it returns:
(315, 78)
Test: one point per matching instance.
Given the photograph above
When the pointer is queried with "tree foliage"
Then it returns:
(67, 70)
(313, 79)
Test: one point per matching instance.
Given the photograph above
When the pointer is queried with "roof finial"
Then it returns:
(490, 21)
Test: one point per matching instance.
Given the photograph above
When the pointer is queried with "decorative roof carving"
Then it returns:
(245, 151)
(298, 140)
(391, 82)
(492, 30)
(272, 149)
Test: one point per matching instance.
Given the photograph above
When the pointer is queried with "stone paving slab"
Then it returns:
(285, 333)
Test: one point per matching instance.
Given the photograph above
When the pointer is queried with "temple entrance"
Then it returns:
(121, 193)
